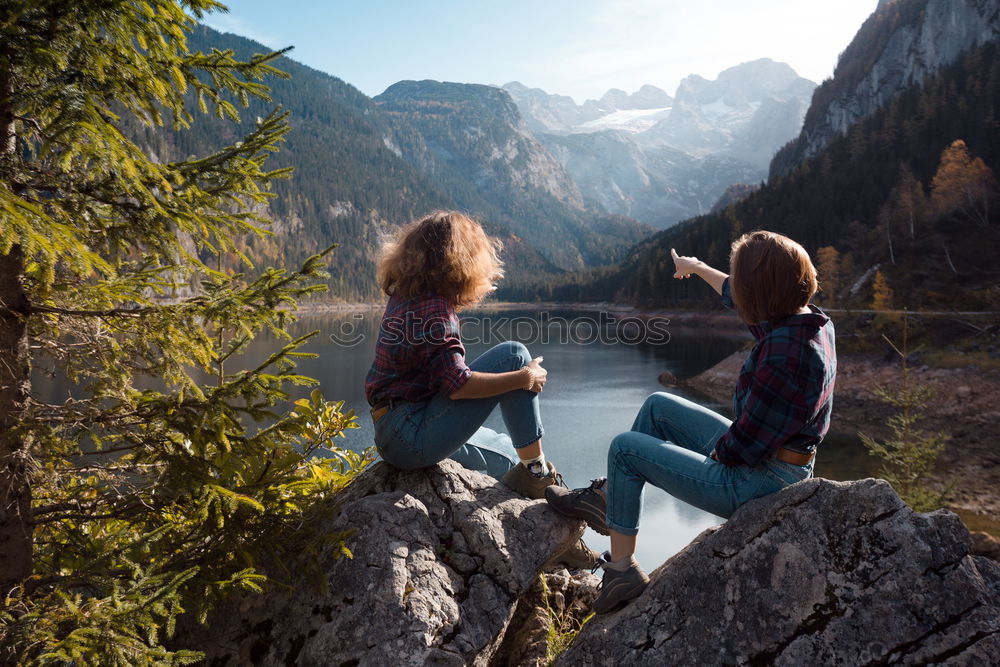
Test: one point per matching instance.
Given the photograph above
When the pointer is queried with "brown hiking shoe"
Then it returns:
(619, 587)
(520, 480)
(588, 503)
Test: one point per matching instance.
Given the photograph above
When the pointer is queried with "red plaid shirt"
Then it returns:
(784, 395)
(418, 353)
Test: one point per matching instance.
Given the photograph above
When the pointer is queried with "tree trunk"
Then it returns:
(15, 383)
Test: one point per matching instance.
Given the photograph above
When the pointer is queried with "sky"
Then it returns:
(579, 48)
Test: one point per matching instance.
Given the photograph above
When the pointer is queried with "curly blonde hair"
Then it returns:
(445, 253)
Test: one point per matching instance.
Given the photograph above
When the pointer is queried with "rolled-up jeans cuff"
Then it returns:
(624, 530)
(540, 432)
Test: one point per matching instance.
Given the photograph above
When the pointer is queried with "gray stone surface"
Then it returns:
(440, 558)
(820, 573)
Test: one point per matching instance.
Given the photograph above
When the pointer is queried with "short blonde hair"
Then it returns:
(445, 253)
(771, 276)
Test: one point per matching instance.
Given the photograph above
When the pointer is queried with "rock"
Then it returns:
(819, 573)
(963, 391)
(667, 379)
(440, 558)
(719, 380)
(564, 602)
(984, 544)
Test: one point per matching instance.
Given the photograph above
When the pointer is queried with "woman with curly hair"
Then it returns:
(781, 406)
(427, 403)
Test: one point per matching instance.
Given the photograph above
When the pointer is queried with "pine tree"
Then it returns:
(910, 453)
(146, 491)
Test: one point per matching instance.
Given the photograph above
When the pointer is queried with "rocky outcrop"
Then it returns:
(820, 573)
(719, 381)
(440, 558)
(554, 607)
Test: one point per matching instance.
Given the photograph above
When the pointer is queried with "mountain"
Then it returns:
(900, 45)
(661, 159)
(362, 168)
(559, 114)
(909, 191)
(468, 138)
(737, 114)
(658, 185)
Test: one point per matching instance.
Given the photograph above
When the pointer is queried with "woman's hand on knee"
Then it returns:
(538, 375)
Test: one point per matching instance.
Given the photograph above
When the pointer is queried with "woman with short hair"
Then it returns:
(781, 405)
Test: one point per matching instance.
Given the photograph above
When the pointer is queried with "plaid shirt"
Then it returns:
(784, 394)
(418, 353)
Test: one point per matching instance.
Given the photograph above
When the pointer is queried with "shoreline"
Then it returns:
(687, 318)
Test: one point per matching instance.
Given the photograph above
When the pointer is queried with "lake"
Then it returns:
(601, 368)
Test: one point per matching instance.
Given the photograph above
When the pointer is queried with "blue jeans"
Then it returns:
(418, 435)
(669, 447)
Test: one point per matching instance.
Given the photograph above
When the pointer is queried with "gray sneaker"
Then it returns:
(588, 503)
(520, 480)
(619, 587)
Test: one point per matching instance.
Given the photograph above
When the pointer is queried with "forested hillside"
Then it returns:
(895, 195)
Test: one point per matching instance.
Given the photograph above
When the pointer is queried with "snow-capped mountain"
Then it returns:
(760, 101)
(661, 159)
(559, 114)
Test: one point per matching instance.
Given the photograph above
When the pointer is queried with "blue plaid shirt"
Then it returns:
(784, 394)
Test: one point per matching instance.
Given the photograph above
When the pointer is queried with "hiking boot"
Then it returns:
(578, 557)
(619, 586)
(587, 503)
(520, 480)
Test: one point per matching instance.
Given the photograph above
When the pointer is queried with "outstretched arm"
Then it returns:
(685, 267)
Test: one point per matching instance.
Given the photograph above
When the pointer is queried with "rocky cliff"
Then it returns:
(475, 129)
(445, 562)
(903, 43)
(820, 573)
